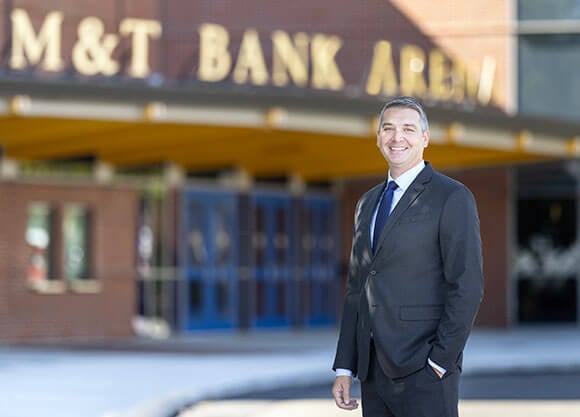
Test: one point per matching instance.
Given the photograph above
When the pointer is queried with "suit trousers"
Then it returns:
(420, 394)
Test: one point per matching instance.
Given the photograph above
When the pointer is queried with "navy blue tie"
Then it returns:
(384, 211)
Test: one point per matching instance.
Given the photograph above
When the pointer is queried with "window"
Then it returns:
(547, 86)
(548, 53)
(59, 244)
(40, 243)
(76, 239)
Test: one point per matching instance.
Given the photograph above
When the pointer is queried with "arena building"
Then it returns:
(175, 166)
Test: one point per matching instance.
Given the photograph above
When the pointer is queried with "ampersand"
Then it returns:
(93, 50)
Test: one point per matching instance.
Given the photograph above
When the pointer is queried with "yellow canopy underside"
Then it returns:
(260, 151)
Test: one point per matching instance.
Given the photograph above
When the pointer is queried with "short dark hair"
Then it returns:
(408, 102)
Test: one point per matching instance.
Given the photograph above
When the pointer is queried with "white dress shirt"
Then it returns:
(403, 182)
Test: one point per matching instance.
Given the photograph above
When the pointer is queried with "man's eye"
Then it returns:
(388, 128)
(409, 130)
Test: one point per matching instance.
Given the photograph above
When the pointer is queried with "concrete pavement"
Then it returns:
(149, 378)
(326, 408)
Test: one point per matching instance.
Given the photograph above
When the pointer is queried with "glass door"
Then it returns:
(319, 260)
(273, 259)
(210, 259)
(547, 256)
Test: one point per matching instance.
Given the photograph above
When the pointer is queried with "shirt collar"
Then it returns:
(408, 177)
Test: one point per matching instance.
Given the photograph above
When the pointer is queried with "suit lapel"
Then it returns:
(367, 214)
(410, 195)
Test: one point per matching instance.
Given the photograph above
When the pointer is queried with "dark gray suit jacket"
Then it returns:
(420, 291)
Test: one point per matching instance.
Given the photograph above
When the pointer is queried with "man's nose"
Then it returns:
(399, 134)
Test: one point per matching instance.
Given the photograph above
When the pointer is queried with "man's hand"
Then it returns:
(341, 393)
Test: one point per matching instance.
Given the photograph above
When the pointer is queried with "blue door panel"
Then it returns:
(293, 274)
(273, 259)
(209, 259)
(321, 262)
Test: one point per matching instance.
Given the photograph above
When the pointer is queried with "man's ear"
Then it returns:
(426, 139)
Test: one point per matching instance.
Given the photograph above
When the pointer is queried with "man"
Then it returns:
(415, 280)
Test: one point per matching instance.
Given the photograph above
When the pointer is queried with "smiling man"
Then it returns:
(415, 280)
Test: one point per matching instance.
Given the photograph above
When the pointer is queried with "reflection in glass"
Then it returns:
(281, 236)
(76, 229)
(259, 240)
(281, 298)
(327, 244)
(38, 238)
(222, 289)
(260, 298)
(222, 233)
(547, 259)
(547, 300)
(306, 236)
(196, 238)
(195, 295)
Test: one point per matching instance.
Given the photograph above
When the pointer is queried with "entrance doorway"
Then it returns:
(548, 251)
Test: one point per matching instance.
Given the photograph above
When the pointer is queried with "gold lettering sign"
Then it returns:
(412, 67)
(214, 59)
(93, 50)
(382, 78)
(299, 59)
(325, 72)
(485, 91)
(250, 64)
(465, 84)
(27, 47)
(290, 58)
(141, 30)
(470, 87)
(446, 79)
(92, 53)
(440, 76)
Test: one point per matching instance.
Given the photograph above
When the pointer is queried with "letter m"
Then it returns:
(28, 47)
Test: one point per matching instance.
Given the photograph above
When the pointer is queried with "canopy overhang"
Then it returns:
(264, 133)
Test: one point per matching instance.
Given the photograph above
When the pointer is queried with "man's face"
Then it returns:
(401, 139)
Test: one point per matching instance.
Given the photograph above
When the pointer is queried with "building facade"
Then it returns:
(176, 166)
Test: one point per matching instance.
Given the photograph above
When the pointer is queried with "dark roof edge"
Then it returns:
(217, 95)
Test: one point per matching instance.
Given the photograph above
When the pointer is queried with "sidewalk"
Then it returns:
(148, 378)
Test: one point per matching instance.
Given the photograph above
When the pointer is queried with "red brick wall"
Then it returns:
(353, 190)
(468, 31)
(26, 314)
(492, 190)
(493, 205)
